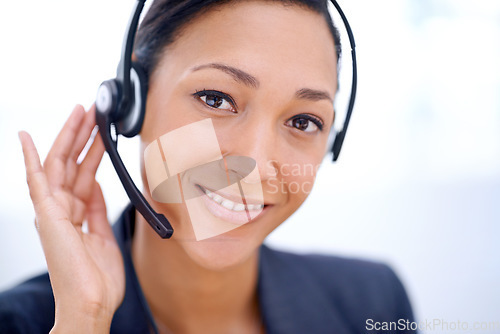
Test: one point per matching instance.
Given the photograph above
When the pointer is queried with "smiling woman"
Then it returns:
(238, 91)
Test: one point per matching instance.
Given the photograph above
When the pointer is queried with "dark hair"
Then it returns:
(165, 19)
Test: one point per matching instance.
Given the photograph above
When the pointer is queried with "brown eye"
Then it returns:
(306, 123)
(301, 124)
(214, 101)
(217, 100)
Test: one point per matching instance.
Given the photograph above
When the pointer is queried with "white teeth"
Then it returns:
(230, 205)
(255, 207)
(239, 207)
(217, 198)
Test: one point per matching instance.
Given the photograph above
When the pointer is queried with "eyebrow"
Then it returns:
(251, 81)
(313, 94)
(237, 74)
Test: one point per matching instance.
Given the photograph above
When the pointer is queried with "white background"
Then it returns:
(418, 182)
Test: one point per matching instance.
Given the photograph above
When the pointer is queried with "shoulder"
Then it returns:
(27, 307)
(356, 290)
(352, 277)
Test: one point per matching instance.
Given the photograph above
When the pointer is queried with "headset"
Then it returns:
(120, 110)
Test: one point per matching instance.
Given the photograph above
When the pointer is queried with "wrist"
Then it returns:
(87, 320)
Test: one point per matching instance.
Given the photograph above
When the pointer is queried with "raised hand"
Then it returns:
(86, 269)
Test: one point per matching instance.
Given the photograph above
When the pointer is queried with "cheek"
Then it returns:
(299, 181)
(294, 182)
(166, 110)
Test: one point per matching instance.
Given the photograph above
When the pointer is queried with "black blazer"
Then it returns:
(297, 294)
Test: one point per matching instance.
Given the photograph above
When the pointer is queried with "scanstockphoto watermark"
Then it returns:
(292, 178)
(432, 325)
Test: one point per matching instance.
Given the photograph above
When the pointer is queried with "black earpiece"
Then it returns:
(120, 106)
(127, 118)
(130, 122)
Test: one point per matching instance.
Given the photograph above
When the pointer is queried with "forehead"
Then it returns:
(265, 38)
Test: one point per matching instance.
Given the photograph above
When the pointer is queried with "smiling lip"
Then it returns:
(229, 207)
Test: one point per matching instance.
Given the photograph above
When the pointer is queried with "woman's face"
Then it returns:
(265, 74)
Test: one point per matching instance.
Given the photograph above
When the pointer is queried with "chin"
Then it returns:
(222, 252)
(214, 238)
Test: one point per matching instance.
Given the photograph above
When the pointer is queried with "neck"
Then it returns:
(186, 297)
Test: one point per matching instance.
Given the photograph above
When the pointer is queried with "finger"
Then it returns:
(96, 214)
(35, 176)
(84, 134)
(82, 186)
(83, 138)
(78, 211)
(55, 163)
(88, 169)
(41, 195)
(58, 237)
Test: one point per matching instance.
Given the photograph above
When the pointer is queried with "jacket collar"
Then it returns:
(292, 300)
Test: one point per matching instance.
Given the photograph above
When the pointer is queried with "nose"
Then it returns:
(257, 140)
